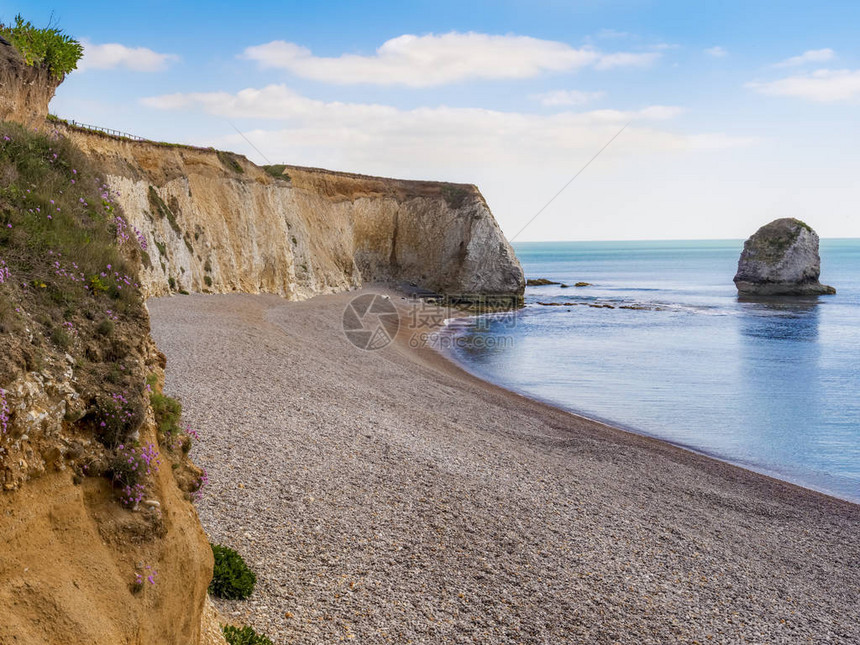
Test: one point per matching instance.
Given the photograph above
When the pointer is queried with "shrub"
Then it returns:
(207, 280)
(231, 579)
(61, 338)
(229, 162)
(167, 412)
(48, 48)
(117, 417)
(105, 327)
(129, 467)
(277, 171)
(244, 636)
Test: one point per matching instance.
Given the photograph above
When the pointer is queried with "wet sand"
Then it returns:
(390, 497)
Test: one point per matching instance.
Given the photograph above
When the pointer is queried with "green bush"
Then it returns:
(207, 280)
(244, 636)
(277, 171)
(61, 338)
(48, 48)
(105, 328)
(167, 412)
(116, 418)
(231, 579)
(229, 162)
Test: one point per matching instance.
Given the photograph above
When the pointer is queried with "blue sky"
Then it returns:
(739, 112)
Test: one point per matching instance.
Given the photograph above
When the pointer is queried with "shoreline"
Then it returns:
(459, 370)
(772, 473)
(392, 496)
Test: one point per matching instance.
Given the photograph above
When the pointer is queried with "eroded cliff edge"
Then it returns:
(206, 221)
(215, 222)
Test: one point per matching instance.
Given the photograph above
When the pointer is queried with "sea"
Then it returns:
(659, 343)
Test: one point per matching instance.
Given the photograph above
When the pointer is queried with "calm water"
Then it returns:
(774, 386)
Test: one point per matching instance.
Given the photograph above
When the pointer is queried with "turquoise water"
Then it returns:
(770, 385)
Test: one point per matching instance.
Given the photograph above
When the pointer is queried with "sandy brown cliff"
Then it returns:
(216, 222)
(25, 91)
(213, 222)
(71, 554)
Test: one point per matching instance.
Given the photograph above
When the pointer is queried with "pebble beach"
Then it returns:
(389, 497)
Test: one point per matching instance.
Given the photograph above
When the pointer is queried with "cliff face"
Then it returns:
(71, 554)
(216, 222)
(96, 491)
(25, 91)
(213, 222)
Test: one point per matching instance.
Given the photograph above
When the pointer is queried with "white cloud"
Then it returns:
(567, 97)
(383, 139)
(823, 86)
(437, 59)
(114, 55)
(717, 52)
(810, 56)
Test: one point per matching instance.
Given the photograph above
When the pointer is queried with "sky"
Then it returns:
(736, 113)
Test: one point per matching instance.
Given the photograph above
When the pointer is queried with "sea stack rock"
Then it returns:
(781, 259)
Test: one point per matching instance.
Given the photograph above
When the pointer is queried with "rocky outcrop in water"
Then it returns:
(781, 259)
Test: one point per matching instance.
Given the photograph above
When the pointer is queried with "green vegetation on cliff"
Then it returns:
(277, 171)
(69, 271)
(48, 48)
(70, 300)
(71, 310)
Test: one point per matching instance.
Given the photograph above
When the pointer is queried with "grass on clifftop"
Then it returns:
(48, 48)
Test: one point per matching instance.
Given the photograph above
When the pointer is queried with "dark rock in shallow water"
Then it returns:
(781, 259)
(539, 282)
